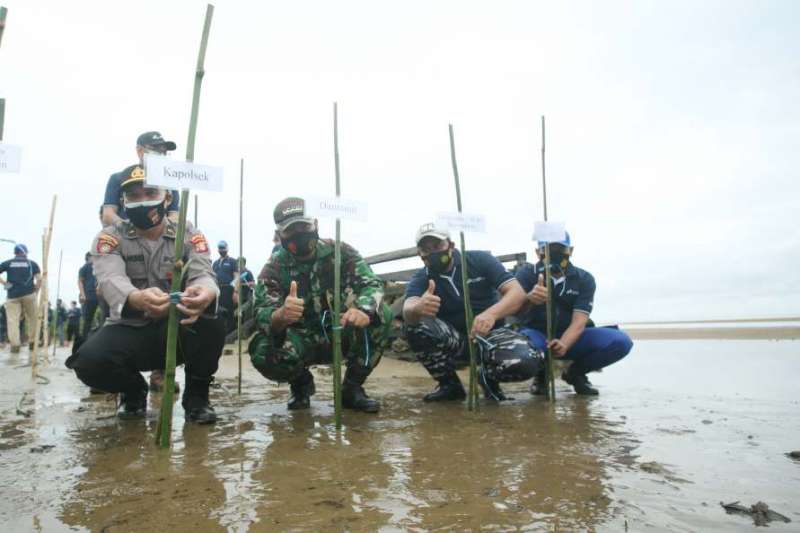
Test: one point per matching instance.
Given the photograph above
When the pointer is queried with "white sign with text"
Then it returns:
(336, 207)
(466, 222)
(549, 231)
(172, 174)
(10, 157)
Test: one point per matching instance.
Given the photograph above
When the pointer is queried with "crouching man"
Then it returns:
(133, 261)
(434, 315)
(293, 309)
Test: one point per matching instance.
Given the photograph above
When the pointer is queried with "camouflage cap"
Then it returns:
(290, 211)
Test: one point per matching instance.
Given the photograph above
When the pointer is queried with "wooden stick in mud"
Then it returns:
(337, 286)
(164, 429)
(42, 318)
(3, 13)
(58, 295)
(239, 277)
(549, 372)
(472, 392)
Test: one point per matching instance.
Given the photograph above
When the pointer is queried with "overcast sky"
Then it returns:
(673, 129)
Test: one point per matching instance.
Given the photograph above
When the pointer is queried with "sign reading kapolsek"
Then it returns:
(165, 172)
(10, 157)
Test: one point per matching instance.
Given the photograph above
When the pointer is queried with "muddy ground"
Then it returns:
(679, 426)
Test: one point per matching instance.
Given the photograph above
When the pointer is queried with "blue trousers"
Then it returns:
(596, 348)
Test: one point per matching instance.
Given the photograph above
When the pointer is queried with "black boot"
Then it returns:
(539, 384)
(353, 395)
(302, 389)
(577, 378)
(195, 401)
(132, 404)
(449, 389)
(491, 388)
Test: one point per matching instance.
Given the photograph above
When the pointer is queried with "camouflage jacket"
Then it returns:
(361, 288)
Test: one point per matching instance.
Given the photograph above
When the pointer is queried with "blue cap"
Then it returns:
(20, 249)
(222, 244)
(566, 242)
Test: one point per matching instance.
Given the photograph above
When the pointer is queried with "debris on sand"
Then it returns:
(794, 455)
(42, 448)
(759, 512)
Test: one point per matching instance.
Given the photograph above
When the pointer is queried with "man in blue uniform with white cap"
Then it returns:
(575, 337)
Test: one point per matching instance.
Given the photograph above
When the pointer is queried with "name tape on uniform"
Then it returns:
(466, 222)
(10, 157)
(549, 231)
(172, 174)
(341, 208)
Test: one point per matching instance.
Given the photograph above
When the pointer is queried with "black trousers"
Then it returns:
(226, 302)
(88, 308)
(111, 359)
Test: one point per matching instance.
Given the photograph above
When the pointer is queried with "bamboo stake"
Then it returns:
(58, 295)
(164, 429)
(337, 285)
(42, 293)
(241, 266)
(551, 383)
(195, 210)
(3, 13)
(472, 394)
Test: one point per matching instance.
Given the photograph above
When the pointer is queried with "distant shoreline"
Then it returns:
(763, 333)
(720, 321)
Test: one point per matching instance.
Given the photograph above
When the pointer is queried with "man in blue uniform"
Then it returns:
(150, 142)
(87, 290)
(23, 280)
(225, 268)
(575, 337)
(436, 328)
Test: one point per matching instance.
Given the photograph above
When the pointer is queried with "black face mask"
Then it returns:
(439, 262)
(301, 244)
(559, 259)
(146, 215)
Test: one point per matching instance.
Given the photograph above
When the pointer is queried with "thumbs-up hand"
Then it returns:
(293, 307)
(429, 303)
(538, 295)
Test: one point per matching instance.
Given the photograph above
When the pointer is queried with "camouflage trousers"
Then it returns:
(284, 357)
(504, 355)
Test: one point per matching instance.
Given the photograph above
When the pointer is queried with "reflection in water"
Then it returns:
(526, 464)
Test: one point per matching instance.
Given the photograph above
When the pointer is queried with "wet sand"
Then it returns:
(678, 427)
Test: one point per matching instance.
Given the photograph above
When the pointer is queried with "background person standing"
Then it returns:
(225, 268)
(24, 279)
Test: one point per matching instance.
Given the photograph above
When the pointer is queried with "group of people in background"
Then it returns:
(128, 271)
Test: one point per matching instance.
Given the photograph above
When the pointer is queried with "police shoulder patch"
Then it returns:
(106, 243)
(200, 243)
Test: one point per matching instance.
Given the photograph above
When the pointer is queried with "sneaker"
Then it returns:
(580, 383)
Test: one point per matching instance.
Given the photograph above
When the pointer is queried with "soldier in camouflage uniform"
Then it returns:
(293, 308)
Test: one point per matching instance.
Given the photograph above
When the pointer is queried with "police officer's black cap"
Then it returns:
(132, 175)
(289, 211)
(154, 138)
